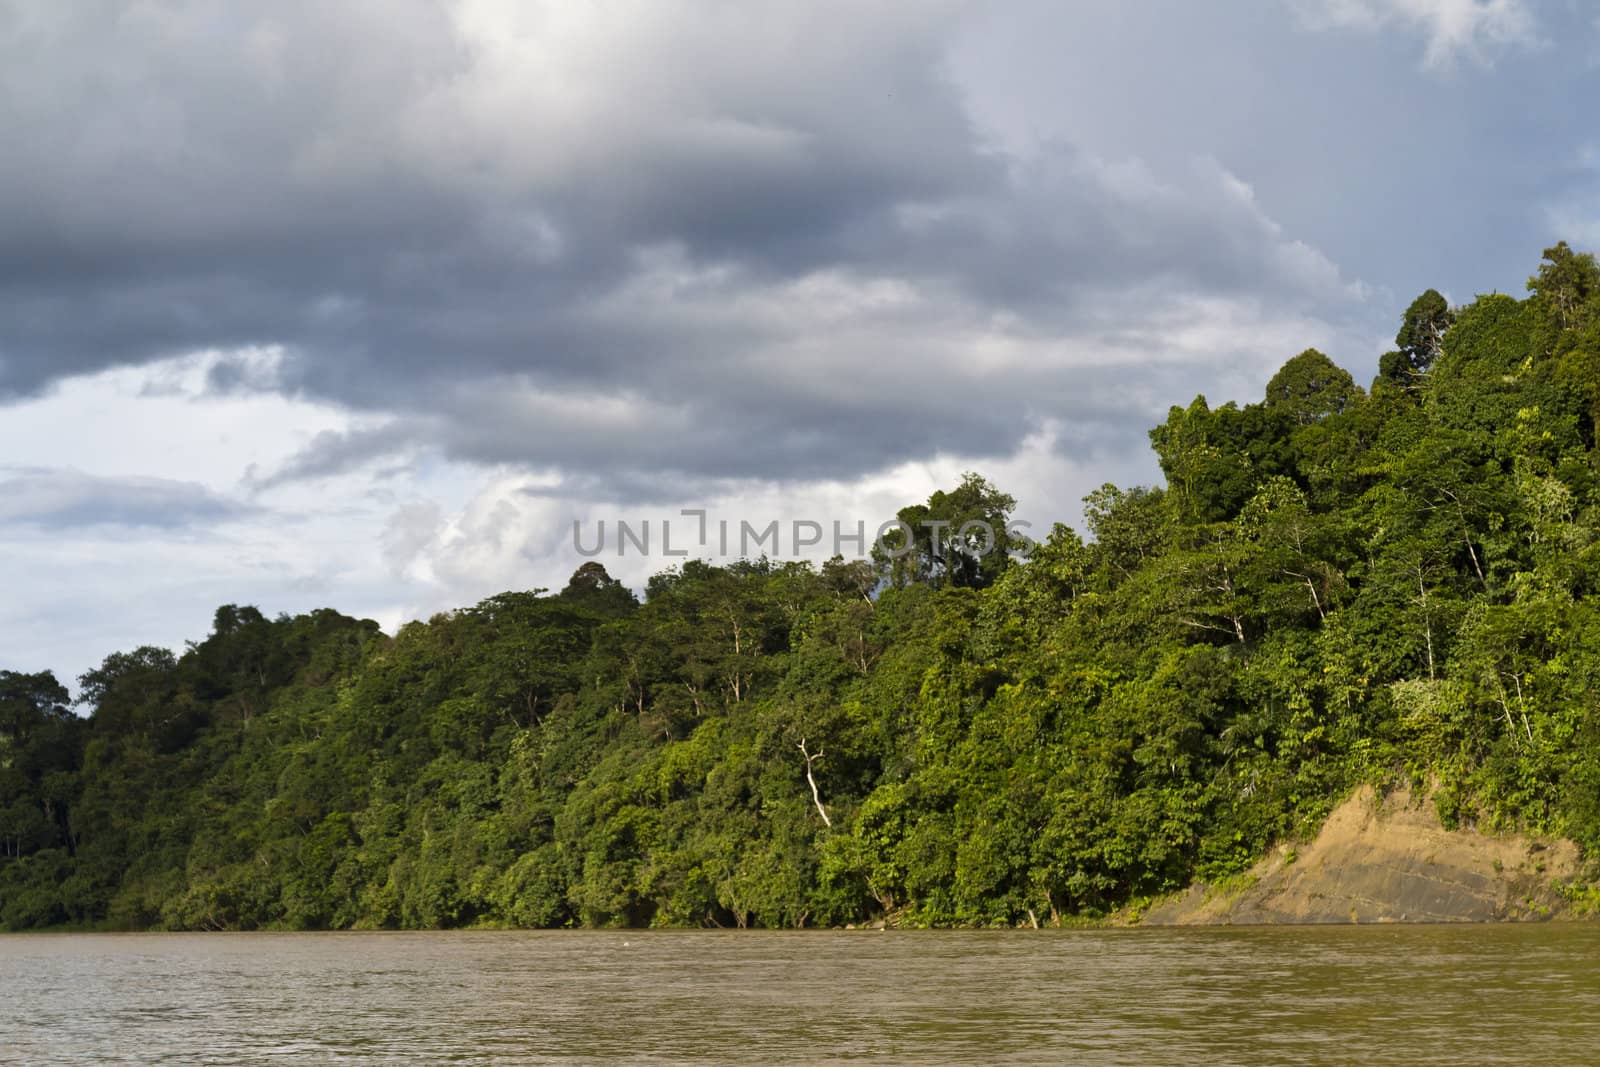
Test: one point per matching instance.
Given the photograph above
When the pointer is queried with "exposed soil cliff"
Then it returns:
(1386, 861)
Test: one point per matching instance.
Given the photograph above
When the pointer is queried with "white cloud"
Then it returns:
(515, 534)
(164, 419)
(1475, 29)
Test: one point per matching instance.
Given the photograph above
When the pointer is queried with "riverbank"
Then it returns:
(1382, 860)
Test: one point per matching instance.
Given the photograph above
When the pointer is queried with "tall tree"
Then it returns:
(960, 537)
(1310, 387)
(1422, 331)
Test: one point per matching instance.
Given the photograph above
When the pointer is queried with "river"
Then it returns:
(1267, 995)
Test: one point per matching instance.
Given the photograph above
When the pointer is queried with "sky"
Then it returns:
(366, 303)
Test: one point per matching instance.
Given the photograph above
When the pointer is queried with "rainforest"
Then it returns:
(1336, 586)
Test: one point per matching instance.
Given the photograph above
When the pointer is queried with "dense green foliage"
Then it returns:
(1334, 585)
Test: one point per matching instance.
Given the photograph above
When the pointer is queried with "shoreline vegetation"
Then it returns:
(1339, 594)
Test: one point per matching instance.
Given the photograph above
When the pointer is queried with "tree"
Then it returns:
(1129, 527)
(28, 702)
(1565, 283)
(1422, 330)
(592, 587)
(1214, 459)
(960, 537)
(1310, 387)
(40, 750)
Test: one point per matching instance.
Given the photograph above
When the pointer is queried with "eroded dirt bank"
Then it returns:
(1388, 861)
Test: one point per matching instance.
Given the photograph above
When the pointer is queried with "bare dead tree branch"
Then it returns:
(816, 796)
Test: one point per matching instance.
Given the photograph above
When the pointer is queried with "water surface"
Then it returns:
(1339, 995)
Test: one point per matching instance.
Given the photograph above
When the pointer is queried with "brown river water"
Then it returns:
(1267, 995)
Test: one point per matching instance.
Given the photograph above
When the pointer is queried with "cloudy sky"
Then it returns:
(363, 303)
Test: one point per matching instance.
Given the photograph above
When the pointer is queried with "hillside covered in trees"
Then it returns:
(1335, 585)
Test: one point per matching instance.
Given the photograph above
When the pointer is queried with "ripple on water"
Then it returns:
(1418, 995)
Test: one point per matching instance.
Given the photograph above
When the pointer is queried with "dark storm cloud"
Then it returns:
(614, 249)
(55, 500)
